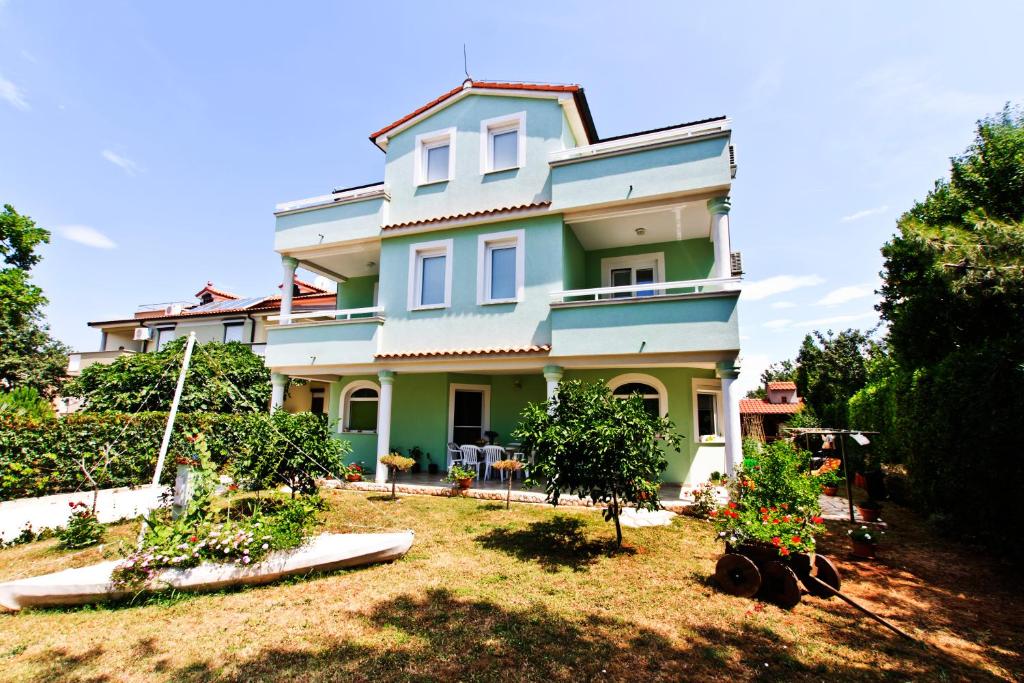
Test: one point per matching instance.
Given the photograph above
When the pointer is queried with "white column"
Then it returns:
(289, 264)
(387, 380)
(729, 373)
(719, 209)
(279, 383)
(553, 375)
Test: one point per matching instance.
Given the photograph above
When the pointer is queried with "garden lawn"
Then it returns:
(531, 594)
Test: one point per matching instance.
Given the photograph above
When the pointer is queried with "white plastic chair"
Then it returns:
(454, 455)
(471, 457)
(493, 454)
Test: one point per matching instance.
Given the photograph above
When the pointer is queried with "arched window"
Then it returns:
(652, 391)
(359, 407)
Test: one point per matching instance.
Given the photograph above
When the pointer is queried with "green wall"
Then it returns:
(356, 292)
(574, 262)
(420, 411)
(684, 260)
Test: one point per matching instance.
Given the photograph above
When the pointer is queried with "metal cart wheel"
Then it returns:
(779, 585)
(738, 575)
(825, 572)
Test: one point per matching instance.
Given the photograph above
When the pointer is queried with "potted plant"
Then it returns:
(869, 510)
(396, 462)
(865, 541)
(416, 453)
(431, 465)
(716, 478)
(829, 482)
(460, 476)
(354, 472)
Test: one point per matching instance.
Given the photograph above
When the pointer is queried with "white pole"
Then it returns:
(174, 408)
(387, 380)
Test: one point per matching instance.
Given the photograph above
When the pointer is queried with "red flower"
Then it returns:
(192, 539)
(783, 551)
(775, 521)
(795, 539)
(764, 509)
(776, 540)
(774, 508)
(817, 520)
(713, 513)
(732, 505)
(785, 518)
(785, 506)
(232, 487)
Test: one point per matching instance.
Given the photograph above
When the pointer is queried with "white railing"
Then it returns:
(343, 314)
(648, 290)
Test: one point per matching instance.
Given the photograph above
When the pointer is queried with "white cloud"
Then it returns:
(778, 324)
(912, 86)
(13, 95)
(762, 289)
(783, 304)
(864, 214)
(90, 237)
(845, 294)
(126, 164)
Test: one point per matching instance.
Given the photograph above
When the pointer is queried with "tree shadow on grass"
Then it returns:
(437, 636)
(556, 543)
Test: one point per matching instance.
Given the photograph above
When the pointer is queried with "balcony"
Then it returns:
(324, 338)
(695, 158)
(80, 361)
(682, 318)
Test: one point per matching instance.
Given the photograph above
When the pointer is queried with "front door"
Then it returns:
(469, 414)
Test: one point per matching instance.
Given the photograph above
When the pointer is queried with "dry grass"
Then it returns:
(531, 594)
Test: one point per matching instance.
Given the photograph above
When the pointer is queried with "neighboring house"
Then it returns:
(216, 315)
(762, 417)
(510, 247)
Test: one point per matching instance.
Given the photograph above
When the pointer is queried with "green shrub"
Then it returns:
(40, 457)
(82, 530)
(26, 402)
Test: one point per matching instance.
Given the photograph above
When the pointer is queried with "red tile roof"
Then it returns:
(761, 406)
(476, 85)
(301, 302)
(471, 214)
(216, 292)
(782, 386)
(540, 348)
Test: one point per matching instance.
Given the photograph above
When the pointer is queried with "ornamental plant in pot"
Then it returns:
(864, 541)
(460, 476)
(870, 510)
(354, 472)
(829, 482)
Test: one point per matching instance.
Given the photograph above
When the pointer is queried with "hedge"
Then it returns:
(41, 457)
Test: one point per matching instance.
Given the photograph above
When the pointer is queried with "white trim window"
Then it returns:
(435, 157)
(164, 336)
(639, 269)
(651, 390)
(430, 275)
(234, 331)
(500, 267)
(463, 416)
(503, 143)
(359, 404)
(708, 419)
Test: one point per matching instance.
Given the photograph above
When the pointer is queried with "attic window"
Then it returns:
(206, 298)
(502, 146)
(435, 156)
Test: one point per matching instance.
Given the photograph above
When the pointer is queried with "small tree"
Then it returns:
(292, 449)
(589, 443)
(396, 462)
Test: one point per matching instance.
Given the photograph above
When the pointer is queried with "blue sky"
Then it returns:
(155, 138)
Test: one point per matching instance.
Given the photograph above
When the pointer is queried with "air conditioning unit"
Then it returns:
(142, 334)
(173, 309)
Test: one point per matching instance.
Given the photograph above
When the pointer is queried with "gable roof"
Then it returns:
(448, 98)
(781, 386)
(217, 293)
(761, 406)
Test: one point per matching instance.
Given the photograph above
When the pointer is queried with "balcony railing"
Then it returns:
(650, 290)
(342, 314)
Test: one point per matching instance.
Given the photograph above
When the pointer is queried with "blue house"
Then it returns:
(509, 247)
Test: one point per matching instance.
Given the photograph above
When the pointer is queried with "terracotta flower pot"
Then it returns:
(868, 514)
(353, 477)
(464, 483)
(830, 489)
(860, 481)
(864, 549)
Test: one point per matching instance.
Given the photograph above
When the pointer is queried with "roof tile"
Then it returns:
(470, 214)
(539, 348)
(760, 406)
